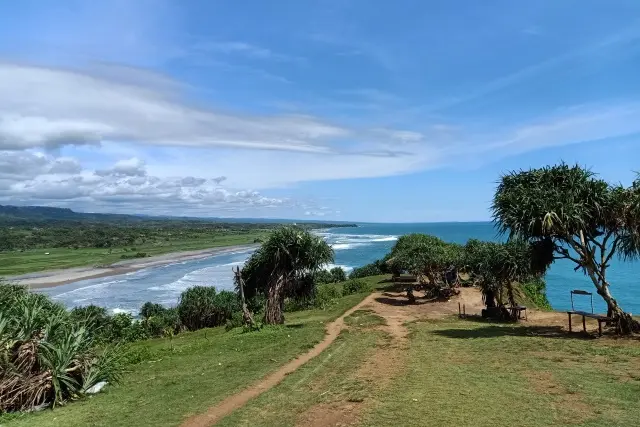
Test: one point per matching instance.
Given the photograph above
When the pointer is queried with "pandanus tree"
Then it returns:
(573, 215)
(281, 267)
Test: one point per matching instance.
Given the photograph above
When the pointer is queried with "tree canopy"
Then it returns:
(568, 211)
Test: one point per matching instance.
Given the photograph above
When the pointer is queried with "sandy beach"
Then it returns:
(50, 278)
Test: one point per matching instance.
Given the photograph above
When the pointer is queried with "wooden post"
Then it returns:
(584, 323)
(569, 321)
(459, 310)
(599, 327)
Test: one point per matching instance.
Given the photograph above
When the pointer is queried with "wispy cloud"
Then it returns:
(244, 49)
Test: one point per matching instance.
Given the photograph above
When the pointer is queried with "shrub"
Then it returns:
(536, 291)
(338, 274)
(355, 286)
(325, 296)
(47, 355)
(372, 269)
(150, 309)
(235, 321)
(167, 320)
(96, 320)
(202, 307)
(323, 276)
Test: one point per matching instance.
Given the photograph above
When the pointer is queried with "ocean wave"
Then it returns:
(342, 266)
(344, 246)
(92, 288)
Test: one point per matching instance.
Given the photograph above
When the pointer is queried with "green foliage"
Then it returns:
(285, 265)
(367, 270)
(47, 355)
(202, 307)
(323, 276)
(355, 286)
(338, 274)
(150, 309)
(335, 275)
(568, 211)
(133, 256)
(325, 296)
(536, 291)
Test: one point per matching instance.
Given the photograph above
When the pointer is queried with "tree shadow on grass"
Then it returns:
(294, 325)
(512, 330)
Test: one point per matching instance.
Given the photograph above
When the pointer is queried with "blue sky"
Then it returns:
(345, 110)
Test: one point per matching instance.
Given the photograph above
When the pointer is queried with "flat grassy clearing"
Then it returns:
(463, 373)
(200, 370)
(458, 373)
(34, 260)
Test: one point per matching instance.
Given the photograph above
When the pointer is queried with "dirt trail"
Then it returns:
(389, 359)
(393, 307)
(231, 403)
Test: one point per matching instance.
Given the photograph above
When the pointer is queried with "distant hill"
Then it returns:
(23, 215)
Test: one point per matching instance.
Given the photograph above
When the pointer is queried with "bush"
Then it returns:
(372, 269)
(323, 276)
(150, 309)
(536, 291)
(325, 296)
(133, 256)
(355, 286)
(48, 355)
(338, 274)
(203, 307)
(96, 320)
(235, 321)
(162, 323)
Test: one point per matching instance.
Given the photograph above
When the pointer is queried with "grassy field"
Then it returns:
(446, 372)
(462, 373)
(192, 372)
(458, 373)
(34, 260)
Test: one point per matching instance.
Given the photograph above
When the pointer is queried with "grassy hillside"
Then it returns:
(170, 379)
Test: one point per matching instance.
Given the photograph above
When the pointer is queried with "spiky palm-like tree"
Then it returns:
(577, 217)
(279, 265)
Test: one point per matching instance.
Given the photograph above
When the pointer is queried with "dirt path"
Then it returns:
(231, 403)
(393, 307)
(389, 359)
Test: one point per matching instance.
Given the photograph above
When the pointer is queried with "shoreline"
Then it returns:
(53, 278)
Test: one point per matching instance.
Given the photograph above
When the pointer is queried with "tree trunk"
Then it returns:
(623, 322)
(247, 318)
(275, 300)
(410, 296)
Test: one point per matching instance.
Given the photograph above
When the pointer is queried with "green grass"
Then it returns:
(473, 374)
(364, 318)
(191, 373)
(34, 260)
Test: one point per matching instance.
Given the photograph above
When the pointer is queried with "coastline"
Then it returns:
(52, 278)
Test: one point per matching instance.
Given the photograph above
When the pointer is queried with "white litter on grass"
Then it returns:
(96, 387)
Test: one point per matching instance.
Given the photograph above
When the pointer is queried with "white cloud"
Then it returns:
(37, 178)
(43, 107)
(129, 167)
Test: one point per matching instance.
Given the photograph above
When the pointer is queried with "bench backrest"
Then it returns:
(581, 292)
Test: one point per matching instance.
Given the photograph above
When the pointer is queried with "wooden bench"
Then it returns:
(599, 317)
(517, 310)
(405, 279)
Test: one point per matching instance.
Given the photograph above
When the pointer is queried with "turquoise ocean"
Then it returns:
(353, 247)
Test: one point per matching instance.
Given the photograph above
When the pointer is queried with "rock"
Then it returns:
(96, 387)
